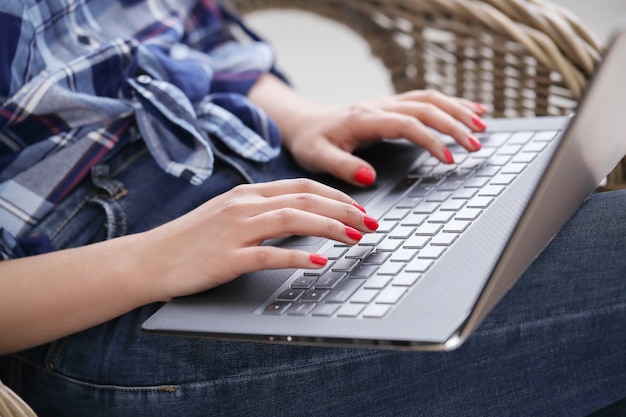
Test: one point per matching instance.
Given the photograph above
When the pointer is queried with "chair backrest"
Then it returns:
(520, 58)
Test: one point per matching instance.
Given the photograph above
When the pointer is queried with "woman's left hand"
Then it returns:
(326, 137)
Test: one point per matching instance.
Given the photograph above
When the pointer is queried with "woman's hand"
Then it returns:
(221, 239)
(322, 138)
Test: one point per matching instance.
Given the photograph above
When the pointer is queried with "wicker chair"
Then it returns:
(521, 58)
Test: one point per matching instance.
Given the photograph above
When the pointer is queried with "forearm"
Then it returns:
(282, 103)
(49, 296)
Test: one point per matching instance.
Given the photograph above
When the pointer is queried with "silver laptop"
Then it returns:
(452, 241)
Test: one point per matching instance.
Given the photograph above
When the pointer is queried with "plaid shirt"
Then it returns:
(80, 78)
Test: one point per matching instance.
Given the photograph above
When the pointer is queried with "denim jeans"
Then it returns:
(554, 346)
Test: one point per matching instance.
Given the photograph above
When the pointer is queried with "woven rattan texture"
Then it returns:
(521, 58)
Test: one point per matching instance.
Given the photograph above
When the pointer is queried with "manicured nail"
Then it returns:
(480, 108)
(370, 222)
(318, 259)
(478, 122)
(474, 142)
(448, 156)
(360, 207)
(364, 176)
(353, 233)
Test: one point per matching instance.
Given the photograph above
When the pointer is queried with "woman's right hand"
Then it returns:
(221, 239)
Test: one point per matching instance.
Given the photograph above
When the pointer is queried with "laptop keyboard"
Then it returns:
(434, 205)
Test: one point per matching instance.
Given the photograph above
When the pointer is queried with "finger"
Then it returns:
(451, 105)
(298, 186)
(438, 119)
(370, 123)
(288, 221)
(269, 257)
(478, 108)
(348, 214)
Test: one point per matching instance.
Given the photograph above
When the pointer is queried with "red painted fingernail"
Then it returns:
(353, 233)
(481, 108)
(448, 156)
(318, 259)
(474, 142)
(360, 207)
(364, 176)
(478, 122)
(370, 222)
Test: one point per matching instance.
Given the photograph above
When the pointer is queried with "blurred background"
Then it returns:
(337, 67)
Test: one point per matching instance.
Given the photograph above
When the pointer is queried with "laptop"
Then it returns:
(452, 239)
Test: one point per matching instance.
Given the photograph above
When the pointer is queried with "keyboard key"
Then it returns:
(441, 217)
(456, 226)
(364, 296)
(524, 158)
(363, 271)
(520, 138)
(495, 139)
(535, 147)
(358, 252)
(452, 205)
(300, 309)
(378, 282)
(419, 265)
(431, 252)
(476, 182)
(444, 239)
(426, 208)
(386, 226)
(428, 229)
(344, 291)
(376, 311)
(389, 245)
(376, 258)
(465, 194)
(277, 308)
(290, 295)
(468, 214)
(498, 160)
(371, 239)
(325, 310)
(314, 296)
(438, 196)
(350, 310)
(417, 241)
(487, 171)
(329, 280)
(396, 214)
(402, 232)
(304, 282)
(335, 252)
(390, 295)
(513, 168)
(491, 191)
(405, 280)
(401, 255)
(545, 136)
(480, 202)
(503, 179)
(345, 265)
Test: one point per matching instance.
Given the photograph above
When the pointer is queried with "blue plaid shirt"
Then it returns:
(80, 78)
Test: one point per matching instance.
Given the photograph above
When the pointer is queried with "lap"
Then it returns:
(551, 347)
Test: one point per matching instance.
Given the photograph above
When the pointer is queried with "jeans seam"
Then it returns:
(170, 388)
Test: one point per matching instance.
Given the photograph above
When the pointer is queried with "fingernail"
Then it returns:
(318, 259)
(364, 176)
(474, 142)
(370, 222)
(478, 122)
(360, 207)
(353, 233)
(448, 156)
(481, 108)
